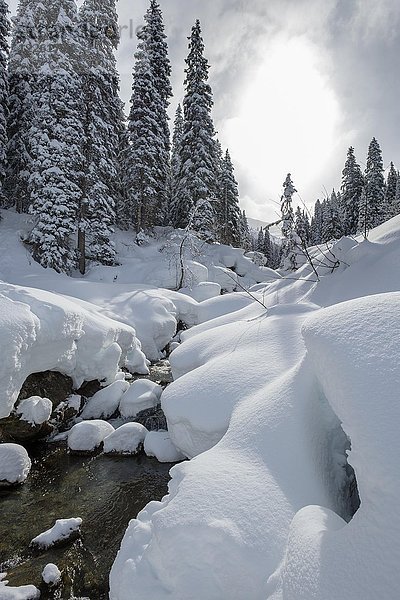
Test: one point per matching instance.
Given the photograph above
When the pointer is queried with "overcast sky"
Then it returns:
(295, 83)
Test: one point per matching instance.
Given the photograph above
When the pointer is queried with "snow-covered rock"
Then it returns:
(61, 532)
(141, 395)
(105, 402)
(15, 464)
(127, 439)
(203, 291)
(159, 445)
(87, 436)
(41, 331)
(35, 410)
(24, 592)
(51, 575)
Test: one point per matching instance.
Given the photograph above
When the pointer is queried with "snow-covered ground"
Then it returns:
(275, 394)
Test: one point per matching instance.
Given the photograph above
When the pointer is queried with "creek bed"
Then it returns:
(105, 491)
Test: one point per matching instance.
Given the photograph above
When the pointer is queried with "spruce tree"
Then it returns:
(56, 136)
(373, 215)
(397, 197)
(176, 155)
(288, 224)
(245, 237)
(390, 196)
(22, 73)
(157, 51)
(332, 226)
(4, 33)
(230, 224)
(268, 250)
(103, 122)
(316, 224)
(260, 240)
(197, 177)
(352, 186)
(145, 136)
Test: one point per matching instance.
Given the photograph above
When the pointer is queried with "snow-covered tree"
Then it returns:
(373, 207)
(197, 177)
(141, 157)
(245, 237)
(288, 223)
(176, 153)
(390, 195)
(267, 249)
(230, 223)
(302, 226)
(56, 135)
(260, 240)
(103, 122)
(397, 197)
(316, 224)
(332, 226)
(157, 51)
(4, 33)
(352, 187)
(22, 73)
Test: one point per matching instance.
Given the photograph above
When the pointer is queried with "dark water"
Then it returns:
(106, 492)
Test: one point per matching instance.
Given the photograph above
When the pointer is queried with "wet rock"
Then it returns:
(160, 372)
(13, 428)
(49, 384)
(152, 418)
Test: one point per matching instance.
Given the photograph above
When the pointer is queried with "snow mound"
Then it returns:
(141, 395)
(41, 331)
(105, 402)
(88, 435)
(159, 445)
(61, 531)
(51, 574)
(127, 439)
(15, 463)
(354, 350)
(35, 410)
(203, 291)
(24, 592)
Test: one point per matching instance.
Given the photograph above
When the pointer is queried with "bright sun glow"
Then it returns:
(288, 116)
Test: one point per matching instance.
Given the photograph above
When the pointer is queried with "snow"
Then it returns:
(24, 592)
(61, 531)
(88, 435)
(141, 395)
(105, 402)
(15, 463)
(41, 331)
(159, 445)
(269, 402)
(51, 574)
(127, 439)
(203, 291)
(35, 410)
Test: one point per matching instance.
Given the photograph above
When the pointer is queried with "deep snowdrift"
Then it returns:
(267, 408)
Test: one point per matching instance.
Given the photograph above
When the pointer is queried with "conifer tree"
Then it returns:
(397, 197)
(4, 33)
(245, 237)
(316, 224)
(352, 186)
(268, 249)
(145, 135)
(260, 240)
(197, 185)
(176, 153)
(56, 135)
(332, 226)
(103, 122)
(22, 73)
(230, 224)
(302, 226)
(157, 51)
(288, 224)
(390, 196)
(373, 209)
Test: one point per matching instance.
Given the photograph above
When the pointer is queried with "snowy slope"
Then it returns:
(259, 401)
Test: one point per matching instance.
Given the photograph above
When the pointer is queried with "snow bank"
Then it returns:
(354, 350)
(105, 402)
(15, 463)
(159, 445)
(24, 592)
(51, 574)
(88, 435)
(61, 531)
(127, 439)
(35, 410)
(41, 331)
(141, 395)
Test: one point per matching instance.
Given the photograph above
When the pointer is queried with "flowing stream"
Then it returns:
(105, 491)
